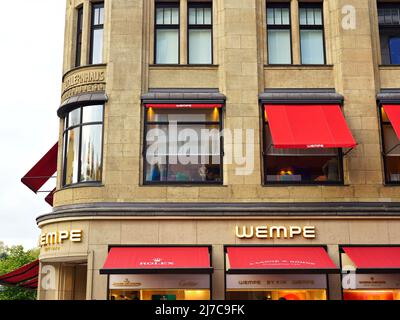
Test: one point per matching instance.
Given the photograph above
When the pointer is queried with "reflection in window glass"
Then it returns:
(91, 153)
(92, 114)
(72, 156)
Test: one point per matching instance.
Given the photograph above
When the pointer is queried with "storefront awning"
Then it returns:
(393, 113)
(308, 126)
(247, 260)
(25, 276)
(140, 260)
(183, 105)
(374, 259)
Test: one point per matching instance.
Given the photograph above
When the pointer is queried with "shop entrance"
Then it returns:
(73, 278)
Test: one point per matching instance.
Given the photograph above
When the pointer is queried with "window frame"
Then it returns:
(314, 5)
(281, 5)
(79, 37)
(157, 27)
(94, 27)
(147, 123)
(81, 125)
(382, 124)
(200, 27)
(264, 155)
(387, 5)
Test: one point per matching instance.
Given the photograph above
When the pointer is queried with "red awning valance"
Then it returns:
(183, 105)
(379, 259)
(393, 113)
(279, 260)
(308, 126)
(42, 171)
(22, 275)
(134, 260)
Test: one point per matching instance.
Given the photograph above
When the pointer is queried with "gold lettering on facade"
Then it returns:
(59, 237)
(275, 232)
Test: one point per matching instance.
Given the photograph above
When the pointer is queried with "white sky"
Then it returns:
(31, 46)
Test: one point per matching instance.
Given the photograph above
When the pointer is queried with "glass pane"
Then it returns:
(394, 47)
(91, 164)
(278, 16)
(97, 50)
(167, 46)
(192, 16)
(207, 16)
(92, 114)
(303, 16)
(190, 115)
(391, 141)
(160, 16)
(310, 16)
(285, 16)
(175, 16)
(101, 15)
(72, 156)
(312, 47)
(396, 16)
(74, 117)
(270, 16)
(393, 169)
(279, 48)
(318, 16)
(167, 16)
(200, 51)
(200, 15)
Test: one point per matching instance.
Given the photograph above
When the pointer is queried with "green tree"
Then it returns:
(12, 258)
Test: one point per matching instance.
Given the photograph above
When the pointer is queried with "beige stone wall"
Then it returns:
(98, 234)
(241, 73)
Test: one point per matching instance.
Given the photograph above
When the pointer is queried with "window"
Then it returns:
(391, 150)
(389, 30)
(83, 144)
(300, 166)
(97, 33)
(167, 33)
(79, 29)
(311, 33)
(183, 146)
(200, 33)
(279, 34)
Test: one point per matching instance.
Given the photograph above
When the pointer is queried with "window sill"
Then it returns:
(299, 66)
(285, 185)
(83, 185)
(184, 185)
(184, 66)
(389, 66)
(391, 184)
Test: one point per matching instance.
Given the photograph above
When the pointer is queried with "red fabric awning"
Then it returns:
(183, 105)
(374, 258)
(50, 197)
(25, 273)
(42, 171)
(393, 113)
(131, 260)
(308, 126)
(31, 284)
(279, 260)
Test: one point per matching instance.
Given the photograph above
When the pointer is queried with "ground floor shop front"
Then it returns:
(227, 256)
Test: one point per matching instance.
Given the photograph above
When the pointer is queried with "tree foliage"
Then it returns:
(12, 258)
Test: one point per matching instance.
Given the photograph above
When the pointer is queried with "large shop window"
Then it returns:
(79, 30)
(83, 145)
(302, 144)
(390, 125)
(370, 272)
(183, 144)
(167, 33)
(277, 273)
(389, 30)
(312, 33)
(159, 273)
(200, 29)
(97, 33)
(279, 33)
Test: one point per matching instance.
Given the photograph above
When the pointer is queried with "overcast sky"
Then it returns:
(31, 46)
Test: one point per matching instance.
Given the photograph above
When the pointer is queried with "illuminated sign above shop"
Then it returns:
(59, 237)
(275, 232)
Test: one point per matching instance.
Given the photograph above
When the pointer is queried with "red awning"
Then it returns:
(374, 258)
(27, 272)
(134, 260)
(393, 113)
(183, 105)
(50, 197)
(308, 126)
(279, 260)
(31, 284)
(42, 171)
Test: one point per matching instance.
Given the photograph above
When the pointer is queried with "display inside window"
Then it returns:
(301, 166)
(83, 144)
(183, 146)
(277, 295)
(279, 34)
(159, 295)
(389, 30)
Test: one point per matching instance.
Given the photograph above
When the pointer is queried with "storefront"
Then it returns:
(370, 272)
(159, 273)
(277, 273)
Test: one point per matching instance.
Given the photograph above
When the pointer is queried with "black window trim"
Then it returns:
(93, 27)
(264, 156)
(208, 4)
(66, 129)
(79, 34)
(157, 27)
(182, 183)
(316, 5)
